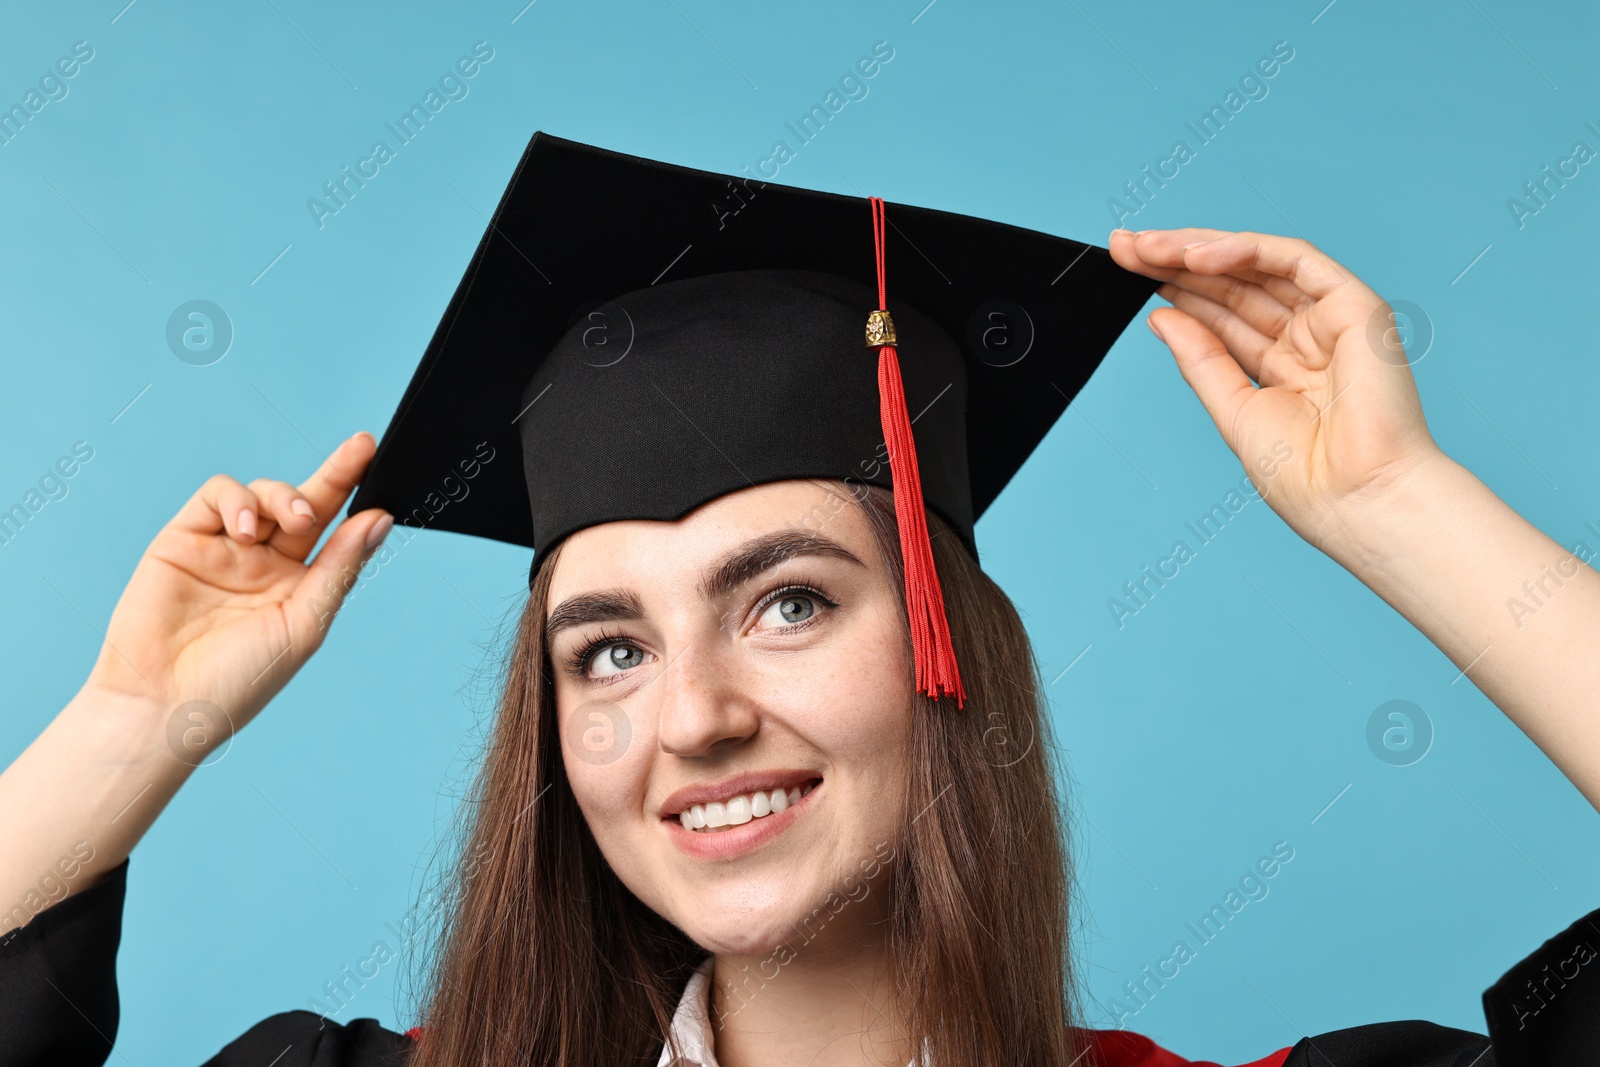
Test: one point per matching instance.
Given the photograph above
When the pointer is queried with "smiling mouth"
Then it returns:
(718, 816)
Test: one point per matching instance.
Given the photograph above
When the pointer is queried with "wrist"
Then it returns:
(123, 728)
(87, 788)
(1399, 514)
(116, 703)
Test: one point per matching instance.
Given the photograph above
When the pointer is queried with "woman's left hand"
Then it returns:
(1336, 423)
(1365, 482)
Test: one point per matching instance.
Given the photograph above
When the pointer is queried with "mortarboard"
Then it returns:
(632, 339)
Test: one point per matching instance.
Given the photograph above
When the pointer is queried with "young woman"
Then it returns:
(721, 820)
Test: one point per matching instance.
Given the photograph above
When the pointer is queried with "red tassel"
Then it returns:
(931, 647)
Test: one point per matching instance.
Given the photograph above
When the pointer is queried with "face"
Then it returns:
(724, 665)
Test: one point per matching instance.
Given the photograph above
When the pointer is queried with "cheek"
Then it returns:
(605, 761)
(875, 668)
(610, 805)
(852, 700)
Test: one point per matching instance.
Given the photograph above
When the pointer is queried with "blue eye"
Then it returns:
(789, 609)
(615, 658)
(793, 606)
(608, 656)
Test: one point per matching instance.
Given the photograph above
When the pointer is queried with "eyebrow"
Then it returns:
(738, 567)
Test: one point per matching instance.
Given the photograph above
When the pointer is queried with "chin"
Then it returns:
(732, 940)
(748, 920)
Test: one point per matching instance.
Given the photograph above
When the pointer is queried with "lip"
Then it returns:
(734, 784)
(730, 844)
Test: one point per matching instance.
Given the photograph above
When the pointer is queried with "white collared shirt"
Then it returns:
(691, 1024)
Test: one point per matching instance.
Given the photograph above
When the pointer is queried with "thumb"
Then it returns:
(1206, 364)
(334, 572)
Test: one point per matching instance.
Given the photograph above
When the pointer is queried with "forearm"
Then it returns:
(77, 800)
(1519, 614)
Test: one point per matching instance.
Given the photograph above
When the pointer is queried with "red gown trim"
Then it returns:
(1113, 1048)
(1124, 1048)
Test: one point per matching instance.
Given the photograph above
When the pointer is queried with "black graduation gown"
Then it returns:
(59, 1008)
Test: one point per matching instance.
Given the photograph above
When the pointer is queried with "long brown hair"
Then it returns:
(543, 957)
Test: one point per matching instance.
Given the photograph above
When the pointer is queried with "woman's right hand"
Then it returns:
(221, 610)
(223, 606)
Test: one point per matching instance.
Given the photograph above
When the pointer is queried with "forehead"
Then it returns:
(640, 551)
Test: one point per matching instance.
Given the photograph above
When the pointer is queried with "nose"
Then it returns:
(704, 705)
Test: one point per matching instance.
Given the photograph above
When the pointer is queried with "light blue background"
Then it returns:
(1206, 729)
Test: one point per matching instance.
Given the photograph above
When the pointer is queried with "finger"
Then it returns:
(1163, 243)
(1282, 290)
(1151, 258)
(1159, 254)
(326, 491)
(1252, 303)
(1311, 270)
(221, 505)
(322, 590)
(340, 473)
(1245, 343)
(284, 509)
(1213, 373)
(1352, 308)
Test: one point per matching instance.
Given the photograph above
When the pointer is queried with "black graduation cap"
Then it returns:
(633, 339)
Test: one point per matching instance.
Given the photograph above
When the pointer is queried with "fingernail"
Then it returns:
(302, 507)
(379, 531)
(1152, 324)
(247, 522)
(1195, 244)
(1120, 229)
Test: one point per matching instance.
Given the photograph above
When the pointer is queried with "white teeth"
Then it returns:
(736, 811)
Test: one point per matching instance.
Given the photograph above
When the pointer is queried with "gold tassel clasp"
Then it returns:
(880, 329)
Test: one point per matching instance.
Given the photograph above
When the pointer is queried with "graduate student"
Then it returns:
(748, 799)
